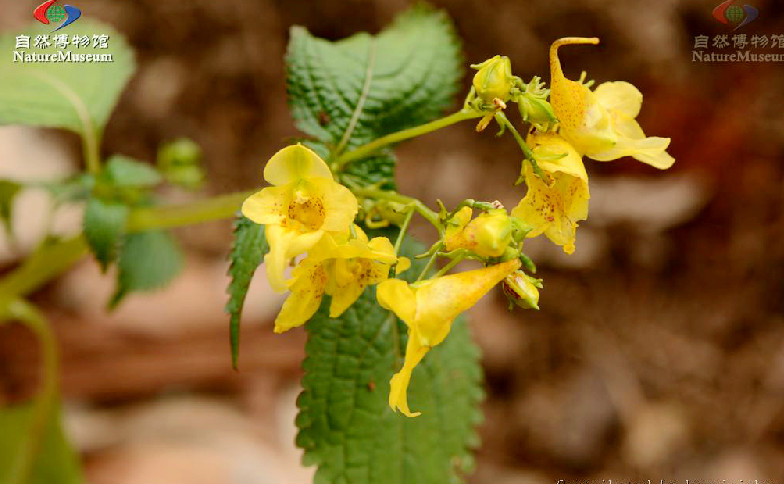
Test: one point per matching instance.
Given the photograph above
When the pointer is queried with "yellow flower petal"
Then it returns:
(555, 208)
(555, 154)
(343, 298)
(632, 142)
(340, 206)
(398, 385)
(581, 118)
(441, 300)
(284, 244)
(403, 264)
(307, 290)
(620, 96)
(267, 206)
(428, 310)
(600, 124)
(295, 162)
(397, 296)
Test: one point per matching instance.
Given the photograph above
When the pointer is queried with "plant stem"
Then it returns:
(415, 204)
(48, 262)
(449, 265)
(199, 211)
(405, 134)
(427, 268)
(54, 258)
(504, 122)
(46, 399)
(403, 229)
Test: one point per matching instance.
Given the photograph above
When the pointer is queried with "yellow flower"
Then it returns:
(340, 269)
(554, 208)
(304, 204)
(601, 124)
(488, 235)
(428, 309)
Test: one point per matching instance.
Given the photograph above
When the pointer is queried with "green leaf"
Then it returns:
(123, 171)
(148, 261)
(78, 96)
(8, 191)
(104, 226)
(345, 424)
(248, 251)
(355, 90)
(377, 170)
(33, 452)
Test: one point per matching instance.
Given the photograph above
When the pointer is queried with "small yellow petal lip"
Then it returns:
(295, 162)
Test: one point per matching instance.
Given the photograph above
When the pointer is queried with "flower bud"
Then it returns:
(180, 163)
(494, 79)
(522, 290)
(533, 105)
(488, 235)
(491, 232)
(536, 111)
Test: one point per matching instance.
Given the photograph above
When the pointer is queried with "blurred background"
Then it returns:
(659, 349)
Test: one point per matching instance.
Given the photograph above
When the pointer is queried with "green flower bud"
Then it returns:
(536, 111)
(533, 106)
(494, 79)
(180, 163)
(522, 290)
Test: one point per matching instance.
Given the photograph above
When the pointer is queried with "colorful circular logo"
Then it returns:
(48, 12)
(730, 14)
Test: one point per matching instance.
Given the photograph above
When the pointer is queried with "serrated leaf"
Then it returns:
(247, 252)
(78, 96)
(123, 171)
(8, 191)
(377, 170)
(104, 226)
(345, 424)
(355, 90)
(148, 261)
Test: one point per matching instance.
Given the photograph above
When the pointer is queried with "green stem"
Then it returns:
(48, 262)
(427, 268)
(92, 156)
(46, 399)
(391, 196)
(405, 134)
(54, 258)
(504, 122)
(199, 211)
(403, 229)
(449, 265)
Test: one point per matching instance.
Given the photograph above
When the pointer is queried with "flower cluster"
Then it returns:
(307, 212)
